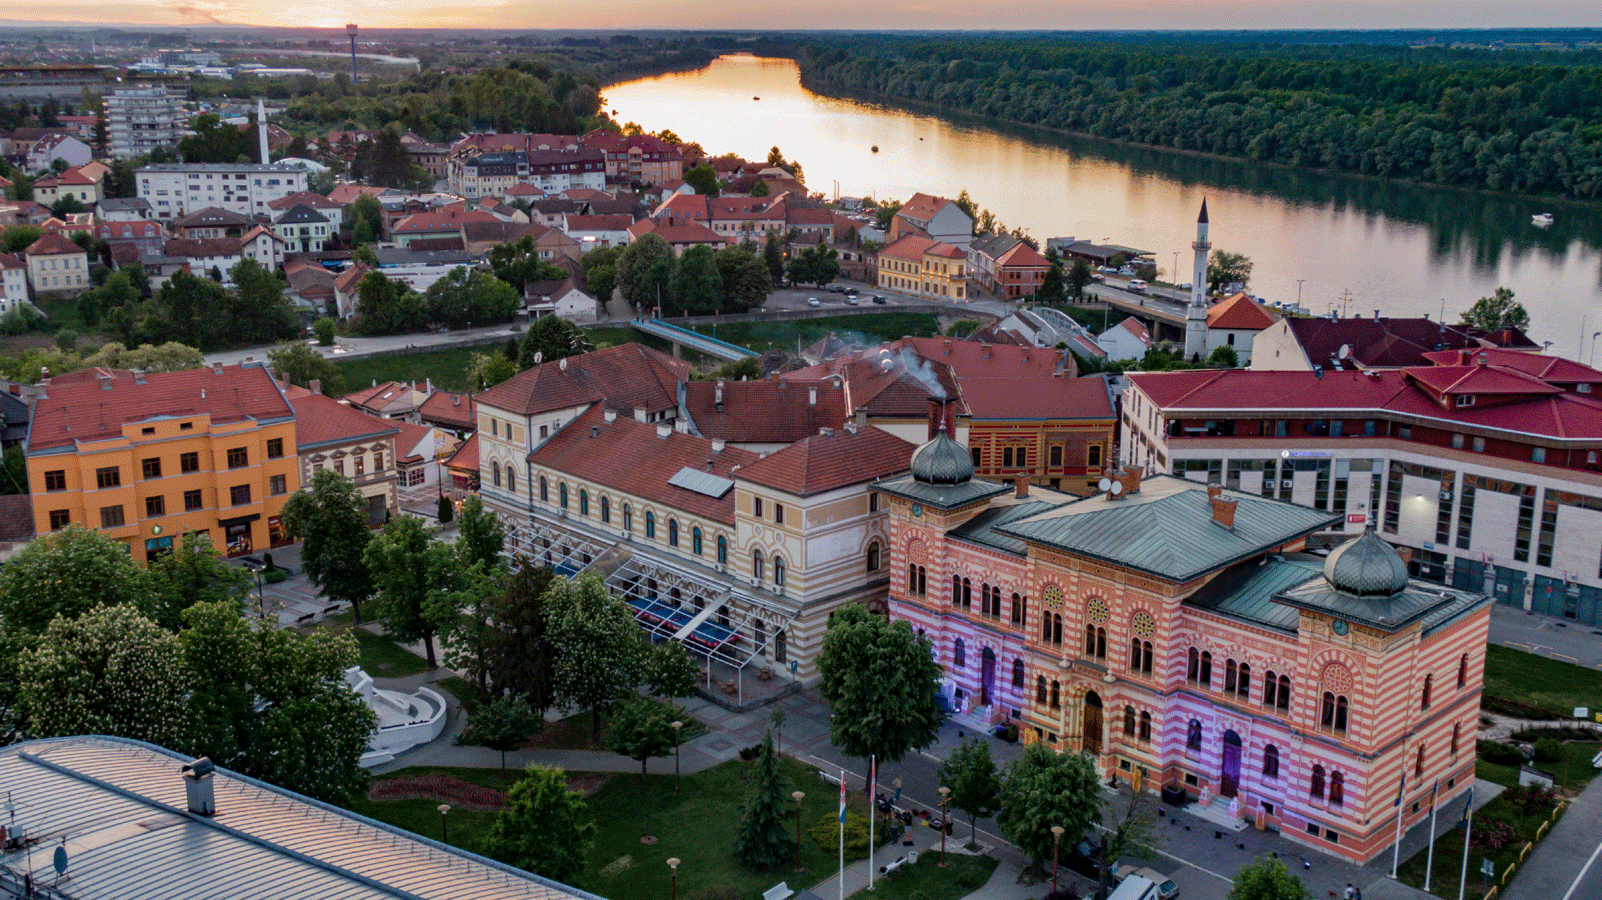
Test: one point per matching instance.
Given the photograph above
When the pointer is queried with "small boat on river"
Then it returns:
(1541, 220)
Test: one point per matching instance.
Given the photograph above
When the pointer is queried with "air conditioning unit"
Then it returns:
(627, 535)
(1446, 495)
(1286, 482)
(561, 513)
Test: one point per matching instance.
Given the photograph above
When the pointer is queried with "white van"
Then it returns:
(1135, 887)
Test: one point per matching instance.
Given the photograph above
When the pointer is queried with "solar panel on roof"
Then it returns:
(704, 483)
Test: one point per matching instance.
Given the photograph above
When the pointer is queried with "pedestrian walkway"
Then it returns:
(1567, 850)
(923, 840)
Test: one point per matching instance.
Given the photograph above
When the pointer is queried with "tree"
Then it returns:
(67, 573)
(509, 646)
(1052, 289)
(411, 570)
(1079, 278)
(670, 672)
(761, 189)
(518, 262)
(1131, 834)
(366, 219)
(14, 471)
(704, 179)
(642, 729)
(602, 651)
(502, 724)
(16, 237)
(545, 828)
(886, 214)
(1045, 788)
(643, 270)
(486, 370)
(323, 328)
(695, 286)
(819, 265)
(330, 518)
(193, 572)
(1223, 357)
(480, 537)
(187, 309)
(1497, 312)
(258, 311)
(67, 205)
(551, 338)
(446, 511)
(974, 781)
(763, 841)
(302, 365)
(773, 256)
(214, 141)
(466, 295)
(1266, 878)
(387, 307)
(1228, 268)
(882, 685)
(746, 282)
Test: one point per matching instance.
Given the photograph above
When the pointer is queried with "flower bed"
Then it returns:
(444, 788)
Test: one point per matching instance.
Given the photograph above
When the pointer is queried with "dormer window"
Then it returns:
(1582, 389)
(1463, 400)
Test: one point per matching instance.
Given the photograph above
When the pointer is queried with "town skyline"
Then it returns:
(831, 15)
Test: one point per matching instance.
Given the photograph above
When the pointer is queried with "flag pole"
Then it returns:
(1468, 832)
(1429, 858)
(873, 810)
(842, 833)
(1396, 848)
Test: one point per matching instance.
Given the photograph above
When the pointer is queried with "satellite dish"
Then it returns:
(1117, 488)
(61, 860)
(539, 356)
(1346, 350)
(1105, 484)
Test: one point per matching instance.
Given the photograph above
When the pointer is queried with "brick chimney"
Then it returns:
(1224, 511)
(1020, 485)
(1214, 490)
(936, 407)
(1131, 479)
(1406, 553)
(315, 385)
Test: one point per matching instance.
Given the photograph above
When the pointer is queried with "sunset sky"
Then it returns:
(830, 14)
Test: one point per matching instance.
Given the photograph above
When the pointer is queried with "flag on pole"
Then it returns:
(1400, 789)
(1468, 808)
(842, 797)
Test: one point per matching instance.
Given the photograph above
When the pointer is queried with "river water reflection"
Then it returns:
(1400, 249)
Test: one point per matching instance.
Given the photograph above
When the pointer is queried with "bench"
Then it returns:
(780, 891)
(907, 860)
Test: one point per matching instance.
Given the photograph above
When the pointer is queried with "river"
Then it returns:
(1356, 243)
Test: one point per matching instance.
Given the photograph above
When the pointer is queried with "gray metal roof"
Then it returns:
(941, 496)
(704, 483)
(1419, 600)
(120, 807)
(1247, 591)
(1167, 528)
(981, 529)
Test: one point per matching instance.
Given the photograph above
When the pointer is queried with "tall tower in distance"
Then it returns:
(1196, 312)
(351, 31)
(261, 130)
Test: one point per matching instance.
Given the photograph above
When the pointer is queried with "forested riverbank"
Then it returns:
(1520, 123)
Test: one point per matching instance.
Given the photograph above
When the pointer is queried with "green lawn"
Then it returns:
(1573, 771)
(1549, 684)
(698, 826)
(448, 367)
(378, 655)
(868, 326)
(962, 876)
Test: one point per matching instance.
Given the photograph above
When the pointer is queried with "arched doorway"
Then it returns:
(1229, 779)
(1090, 742)
(987, 676)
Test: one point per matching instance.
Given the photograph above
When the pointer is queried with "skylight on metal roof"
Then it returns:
(704, 483)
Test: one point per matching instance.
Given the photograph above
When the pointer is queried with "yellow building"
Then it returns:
(919, 265)
(146, 459)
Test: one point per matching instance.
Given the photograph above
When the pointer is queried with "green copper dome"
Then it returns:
(1366, 567)
(942, 461)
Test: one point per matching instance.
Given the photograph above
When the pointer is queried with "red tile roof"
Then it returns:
(1023, 256)
(1550, 369)
(922, 207)
(631, 457)
(1239, 313)
(764, 412)
(826, 462)
(599, 223)
(1456, 380)
(1388, 343)
(439, 222)
(909, 247)
(625, 376)
(346, 194)
(7, 261)
(942, 249)
(303, 198)
(465, 458)
(451, 410)
(407, 440)
(322, 421)
(386, 395)
(678, 234)
(96, 409)
(52, 245)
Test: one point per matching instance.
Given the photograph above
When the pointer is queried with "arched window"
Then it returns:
(1017, 673)
(1315, 787)
(1140, 656)
(673, 532)
(1271, 761)
(1243, 687)
(967, 594)
(758, 566)
(1340, 715)
(1206, 679)
(1192, 664)
(1462, 670)
(1051, 628)
(1282, 697)
(1145, 725)
(1337, 789)
(873, 557)
(923, 581)
(1040, 689)
(1327, 711)
(1457, 731)
(1418, 763)
(1056, 695)
(545, 490)
(912, 578)
(1424, 695)
(1095, 642)
(1231, 673)
(1129, 721)
(778, 572)
(628, 517)
(695, 540)
(723, 550)
(495, 473)
(1270, 688)
(584, 502)
(1090, 640)
(1193, 735)
(650, 524)
(991, 597)
(511, 478)
(956, 590)
(1018, 612)
(606, 511)
(781, 650)
(959, 654)
(561, 495)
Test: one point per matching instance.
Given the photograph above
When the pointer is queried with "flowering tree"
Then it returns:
(601, 654)
(480, 537)
(67, 573)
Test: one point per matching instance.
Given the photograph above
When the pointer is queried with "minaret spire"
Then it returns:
(1196, 312)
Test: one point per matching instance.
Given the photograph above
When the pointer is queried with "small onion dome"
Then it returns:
(1366, 567)
(942, 461)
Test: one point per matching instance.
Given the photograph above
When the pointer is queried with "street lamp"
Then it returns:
(1056, 842)
(1594, 334)
(673, 869)
(444, 829)
(799, 796)
(945, 797)
(676, 726)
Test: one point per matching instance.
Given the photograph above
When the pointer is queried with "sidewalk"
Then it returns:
(924, 840)
(1558, 859)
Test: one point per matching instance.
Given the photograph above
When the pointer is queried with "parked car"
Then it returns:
(851, 292)
(851, 300)
(1082, 859)
(813, 301)
(837, 289)
(1166, 888)
(879, 299)
(1136, 285)
(1184, 287)
(1097, 277)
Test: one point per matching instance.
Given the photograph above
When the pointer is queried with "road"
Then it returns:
(1546, 636)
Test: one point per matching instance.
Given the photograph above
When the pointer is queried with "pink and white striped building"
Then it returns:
(1182, 634)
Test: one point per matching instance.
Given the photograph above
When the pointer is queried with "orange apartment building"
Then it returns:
(145, 459)
(1182, 635)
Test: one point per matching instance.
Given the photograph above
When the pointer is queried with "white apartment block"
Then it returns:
(138, 120)
(176, 189)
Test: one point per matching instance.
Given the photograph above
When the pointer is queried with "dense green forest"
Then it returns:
(1519, 122)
